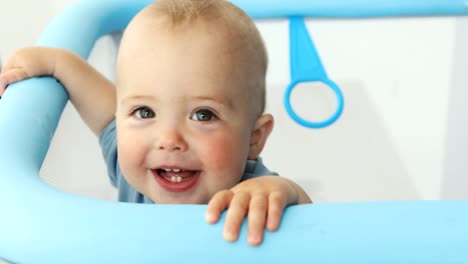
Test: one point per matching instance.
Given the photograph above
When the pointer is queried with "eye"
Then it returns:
(143, 112)
(203, 115)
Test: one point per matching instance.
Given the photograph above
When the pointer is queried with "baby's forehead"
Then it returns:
(157, 36)
(241, 48)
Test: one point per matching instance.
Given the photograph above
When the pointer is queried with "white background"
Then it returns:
(402, 136)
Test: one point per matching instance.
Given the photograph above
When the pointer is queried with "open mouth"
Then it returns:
(176, 180)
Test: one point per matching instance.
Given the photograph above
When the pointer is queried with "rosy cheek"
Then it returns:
(129, 152)
(218, 154)
(223, 154)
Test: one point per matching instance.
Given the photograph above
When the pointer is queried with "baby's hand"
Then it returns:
(27, 63)
(262, 198)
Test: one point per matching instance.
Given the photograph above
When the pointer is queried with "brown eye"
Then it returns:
(144, 112)
(203, 115)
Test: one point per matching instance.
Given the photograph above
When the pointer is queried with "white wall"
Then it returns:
(395, 74)
(455, 162)
(390, 144)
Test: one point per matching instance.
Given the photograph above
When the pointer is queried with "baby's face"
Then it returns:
(183, 120)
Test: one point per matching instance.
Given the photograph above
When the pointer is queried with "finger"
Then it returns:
(5, 67)
(3, 86)
(4, 81)
(7, 78)
(10, 65)
(276, 204)
(11, 76)
(217, 205)
(257, 217)
(235, 215)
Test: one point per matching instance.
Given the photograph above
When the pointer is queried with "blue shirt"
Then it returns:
(126, 193)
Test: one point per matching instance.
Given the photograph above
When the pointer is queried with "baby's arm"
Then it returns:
(89, 91)
(263, 198)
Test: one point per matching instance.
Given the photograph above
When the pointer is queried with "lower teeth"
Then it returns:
(176, 179)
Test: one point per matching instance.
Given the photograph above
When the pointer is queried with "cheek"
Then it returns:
(131, 152)
(225, 153)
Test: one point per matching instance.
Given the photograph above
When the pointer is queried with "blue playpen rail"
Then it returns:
(39, 224)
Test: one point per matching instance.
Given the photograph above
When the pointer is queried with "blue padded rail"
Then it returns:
(39, 224)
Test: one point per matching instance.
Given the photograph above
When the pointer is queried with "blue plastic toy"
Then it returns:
(307, 67)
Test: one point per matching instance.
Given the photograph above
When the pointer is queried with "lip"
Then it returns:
(176, 186)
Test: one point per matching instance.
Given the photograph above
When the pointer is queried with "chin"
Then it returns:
(180, 200)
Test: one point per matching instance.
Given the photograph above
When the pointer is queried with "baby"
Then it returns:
(184, 123)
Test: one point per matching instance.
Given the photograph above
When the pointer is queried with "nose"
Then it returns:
(170, 138)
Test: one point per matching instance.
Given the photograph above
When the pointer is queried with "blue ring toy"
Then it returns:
(39, 224)
(307, 123)
(306, 66)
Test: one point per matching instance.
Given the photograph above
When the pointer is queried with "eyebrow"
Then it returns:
(137, 97)
(226, 101)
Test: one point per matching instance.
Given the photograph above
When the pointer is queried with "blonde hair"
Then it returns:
(237, 22)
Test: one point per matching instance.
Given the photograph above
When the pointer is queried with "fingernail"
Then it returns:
(272, 225)
(254, 240)
(210, 218)
(229, 236)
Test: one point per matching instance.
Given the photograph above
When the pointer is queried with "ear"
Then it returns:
(259, 136)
